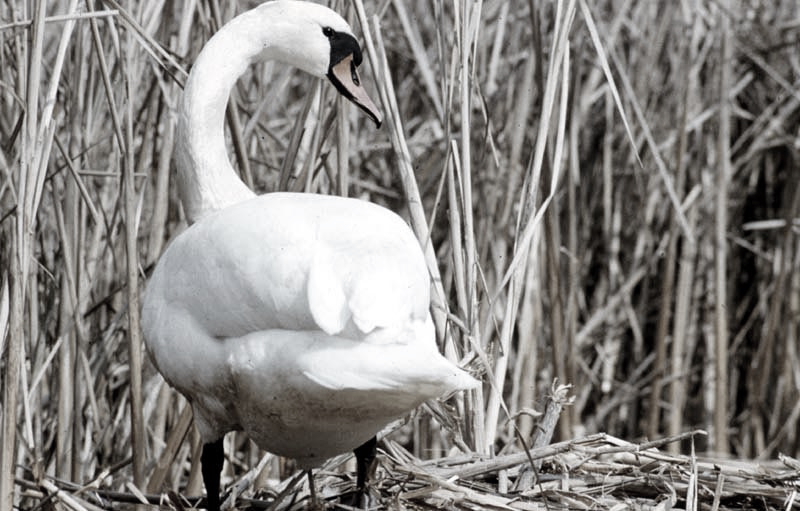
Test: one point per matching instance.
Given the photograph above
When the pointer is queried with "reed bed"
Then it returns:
(607, 193)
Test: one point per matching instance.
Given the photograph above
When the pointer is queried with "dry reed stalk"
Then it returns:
(680, 333)
(453, 172)
(467, 32)
(721, 306)
(59, 18)
(11, 377)
(68, 425)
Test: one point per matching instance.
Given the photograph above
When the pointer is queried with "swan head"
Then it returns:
(319, 41)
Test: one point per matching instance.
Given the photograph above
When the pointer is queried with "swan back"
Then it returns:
(292, 261)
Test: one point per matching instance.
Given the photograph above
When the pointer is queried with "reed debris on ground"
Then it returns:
(598, 472)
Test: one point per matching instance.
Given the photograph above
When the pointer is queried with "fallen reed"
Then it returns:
(607, 193)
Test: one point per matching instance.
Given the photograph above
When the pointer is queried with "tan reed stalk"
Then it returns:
(154, 50)
(557, 77)
(524, 101)
(467, 30)
(680, 333)
(552, 85)
(660, 165)
(723, 182)
(572, 305)
(601, 54)
(131, 225)
(523, 389)
(18, 254)
(11, 376)
(66, 355)
(468, 24)
(287, 170)
(128, 163)
(770, 352)
(4, 310)
(455, 207)
(77, 204)
(165, 462)
(160, 194)
(311, 144)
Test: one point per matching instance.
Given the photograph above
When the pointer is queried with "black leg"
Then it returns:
(312, 490)
(365, 456)
(211, 464)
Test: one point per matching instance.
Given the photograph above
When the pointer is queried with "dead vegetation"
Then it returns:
(607, 192)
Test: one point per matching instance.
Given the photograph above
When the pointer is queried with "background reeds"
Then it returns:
(607, 193)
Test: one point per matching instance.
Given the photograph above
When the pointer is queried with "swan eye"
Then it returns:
(354, 74)
(327, 31)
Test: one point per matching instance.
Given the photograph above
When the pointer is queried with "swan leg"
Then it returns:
(211, 466)
(365, 457)
(312, 490)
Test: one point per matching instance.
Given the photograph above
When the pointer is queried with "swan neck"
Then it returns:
(207, 180)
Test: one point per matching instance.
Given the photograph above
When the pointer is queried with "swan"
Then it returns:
(301, 319)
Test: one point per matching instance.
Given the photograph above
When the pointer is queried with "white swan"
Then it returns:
(301, 319)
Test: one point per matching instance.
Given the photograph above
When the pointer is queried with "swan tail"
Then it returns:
(426, 375)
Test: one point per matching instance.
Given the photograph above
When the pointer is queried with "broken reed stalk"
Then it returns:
(553, 407)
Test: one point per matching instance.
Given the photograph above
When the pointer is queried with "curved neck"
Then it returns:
(206, 179)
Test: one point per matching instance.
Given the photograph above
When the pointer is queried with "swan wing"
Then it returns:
(357, 285)
(327, 301)
(295, 262)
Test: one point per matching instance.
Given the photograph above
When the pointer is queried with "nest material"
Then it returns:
(595, 472)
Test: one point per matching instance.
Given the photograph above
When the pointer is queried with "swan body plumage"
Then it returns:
(272, 310)
(301, 319)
